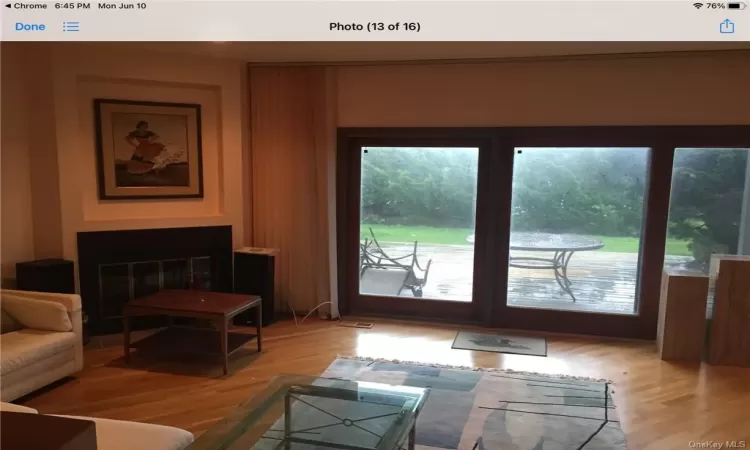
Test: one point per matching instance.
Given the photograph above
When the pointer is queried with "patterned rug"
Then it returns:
(493, 410)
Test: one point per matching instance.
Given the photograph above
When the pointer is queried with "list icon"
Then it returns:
(71, 26)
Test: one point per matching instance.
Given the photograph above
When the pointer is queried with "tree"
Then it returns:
(419, 186)
(579, 190)
(707, 196)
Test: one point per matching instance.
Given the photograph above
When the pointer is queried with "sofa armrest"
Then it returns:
(71, 302)
(12, 407)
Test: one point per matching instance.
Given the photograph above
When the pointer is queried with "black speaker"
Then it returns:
(254, 274)
(46, 275)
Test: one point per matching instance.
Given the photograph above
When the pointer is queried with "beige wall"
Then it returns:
(77, 75)
(665, 90)
(17, 241)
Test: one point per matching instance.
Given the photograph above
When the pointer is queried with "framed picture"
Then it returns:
(148, 150)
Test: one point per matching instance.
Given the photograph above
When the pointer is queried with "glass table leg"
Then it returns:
(287, 420)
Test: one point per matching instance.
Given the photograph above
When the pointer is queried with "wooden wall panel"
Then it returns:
(730, 326)
(682, 316)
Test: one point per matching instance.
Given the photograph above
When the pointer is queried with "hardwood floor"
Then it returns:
(662, 406)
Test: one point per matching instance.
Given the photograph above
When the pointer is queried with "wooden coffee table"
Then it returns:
(217, 307)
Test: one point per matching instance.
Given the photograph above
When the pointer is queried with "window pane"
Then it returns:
(709, 209)
(417, 222)
(576, 228)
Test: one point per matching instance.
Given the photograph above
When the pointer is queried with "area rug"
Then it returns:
(470, 409)
(500, 343)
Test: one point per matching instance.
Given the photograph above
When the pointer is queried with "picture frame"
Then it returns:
(148, 150)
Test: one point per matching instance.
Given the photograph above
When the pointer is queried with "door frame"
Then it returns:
(493, 213)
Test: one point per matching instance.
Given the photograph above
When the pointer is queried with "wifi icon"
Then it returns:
(698, 5)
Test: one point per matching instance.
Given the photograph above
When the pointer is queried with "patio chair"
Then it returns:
(372, 256)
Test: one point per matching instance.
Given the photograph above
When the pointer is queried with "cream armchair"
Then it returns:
(41, 341)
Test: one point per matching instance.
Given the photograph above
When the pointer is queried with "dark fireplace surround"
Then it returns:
(117, 266)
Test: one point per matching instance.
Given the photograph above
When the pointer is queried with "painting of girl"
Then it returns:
(149, 152)
(148, 149)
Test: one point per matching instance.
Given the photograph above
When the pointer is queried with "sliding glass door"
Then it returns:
(414, 207)
(576, 226)
(417, 216)
(564, 229)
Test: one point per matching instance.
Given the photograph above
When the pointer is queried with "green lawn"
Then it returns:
(457, 236)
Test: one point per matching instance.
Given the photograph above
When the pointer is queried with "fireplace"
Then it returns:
(118, 266)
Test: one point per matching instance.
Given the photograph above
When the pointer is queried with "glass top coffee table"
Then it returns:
(307, 413)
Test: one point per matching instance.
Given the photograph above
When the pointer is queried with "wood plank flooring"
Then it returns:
(662, 405)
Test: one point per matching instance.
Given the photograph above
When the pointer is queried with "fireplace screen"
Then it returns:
(120, 283)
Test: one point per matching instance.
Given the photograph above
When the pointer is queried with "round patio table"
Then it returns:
(561, 246)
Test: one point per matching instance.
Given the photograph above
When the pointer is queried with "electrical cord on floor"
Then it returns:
(294, 314)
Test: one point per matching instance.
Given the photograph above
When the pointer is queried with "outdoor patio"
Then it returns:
(601, 281)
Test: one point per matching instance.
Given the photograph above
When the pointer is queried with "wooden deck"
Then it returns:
(602, 281)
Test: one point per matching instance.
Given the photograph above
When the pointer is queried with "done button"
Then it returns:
(20, 26)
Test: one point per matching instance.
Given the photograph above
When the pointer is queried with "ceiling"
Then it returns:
(288, 52)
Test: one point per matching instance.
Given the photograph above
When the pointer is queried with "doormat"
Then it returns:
(355, 324)
(500, 343)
